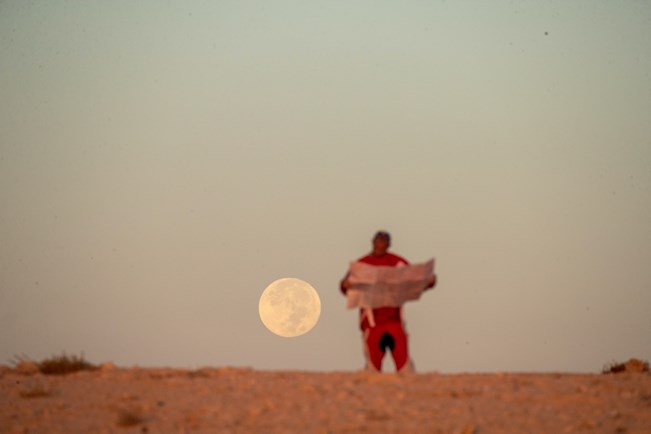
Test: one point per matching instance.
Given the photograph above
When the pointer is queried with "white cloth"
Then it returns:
(377, 286)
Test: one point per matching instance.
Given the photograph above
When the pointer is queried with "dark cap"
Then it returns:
(383, 234)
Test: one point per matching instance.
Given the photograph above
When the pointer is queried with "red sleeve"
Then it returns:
(400, 259)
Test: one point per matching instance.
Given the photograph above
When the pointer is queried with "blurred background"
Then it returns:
(162, 162)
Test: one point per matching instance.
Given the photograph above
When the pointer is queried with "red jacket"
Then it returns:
(381, 315)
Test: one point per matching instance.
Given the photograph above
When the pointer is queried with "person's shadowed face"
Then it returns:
(380, 246)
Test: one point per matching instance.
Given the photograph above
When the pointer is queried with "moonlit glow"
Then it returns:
(289, 307)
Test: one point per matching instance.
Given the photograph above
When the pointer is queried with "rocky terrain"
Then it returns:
(238, 400)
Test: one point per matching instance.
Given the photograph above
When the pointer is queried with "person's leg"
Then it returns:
(400, 351)
(372, 350)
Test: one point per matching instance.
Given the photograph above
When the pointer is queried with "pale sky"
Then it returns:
(161, 163)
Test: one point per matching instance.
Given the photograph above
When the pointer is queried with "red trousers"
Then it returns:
(379, 338)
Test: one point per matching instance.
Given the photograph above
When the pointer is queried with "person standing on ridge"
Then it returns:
(383, 327)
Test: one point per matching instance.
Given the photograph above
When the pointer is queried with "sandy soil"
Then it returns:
(233, 400)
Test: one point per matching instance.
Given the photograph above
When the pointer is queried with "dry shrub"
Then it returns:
(24, 365)
(55, 365)
(65, 364)
(632, 365)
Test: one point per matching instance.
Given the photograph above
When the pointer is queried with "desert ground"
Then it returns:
(111, 399)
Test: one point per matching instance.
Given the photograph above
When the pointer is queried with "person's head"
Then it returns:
(381, 243)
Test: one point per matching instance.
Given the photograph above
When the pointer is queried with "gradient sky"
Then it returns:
(162, 162)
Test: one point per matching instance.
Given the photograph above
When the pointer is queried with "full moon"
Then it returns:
(289, 307)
